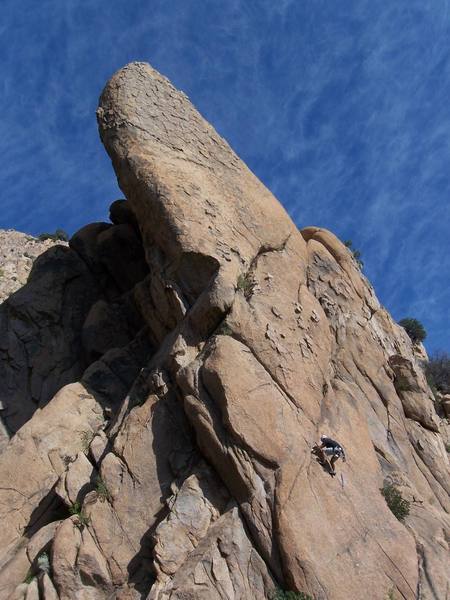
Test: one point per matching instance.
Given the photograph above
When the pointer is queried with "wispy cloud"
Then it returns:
(341, 108)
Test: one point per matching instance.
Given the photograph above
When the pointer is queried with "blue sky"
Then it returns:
(341, 108)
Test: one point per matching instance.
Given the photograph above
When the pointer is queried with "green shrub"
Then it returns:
(76, 509)
(246, 283)
(355, 253)
(398, 505)
(42, 564)
(282, 595)
(102, 490)
(414, 329)
(29, 576)
(224, 329)
(59, 235)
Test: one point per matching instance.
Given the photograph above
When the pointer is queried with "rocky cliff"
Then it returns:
(167, 374)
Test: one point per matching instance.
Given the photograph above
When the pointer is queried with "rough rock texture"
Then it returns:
(18, 251)
(69, 315)
(220, 344)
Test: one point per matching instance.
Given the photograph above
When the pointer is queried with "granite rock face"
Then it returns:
(68, 315)
(216, 346)
(18, 252)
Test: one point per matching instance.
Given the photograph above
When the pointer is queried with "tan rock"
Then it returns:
(18, 251)
(79, 569)
(19, 593)
(257, 339)
(84, 242)
(92, 565)
(14, 568)
(224, 565)
(40, 334)
(32, 591)
(76, 481)
(65, 549)
(312, 355)
(48, 589)
(32, 463)
(149, 447)
(411, 387)
(98, 446)
(199, 502)
(41, 540)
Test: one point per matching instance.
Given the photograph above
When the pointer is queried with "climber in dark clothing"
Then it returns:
(329, 448)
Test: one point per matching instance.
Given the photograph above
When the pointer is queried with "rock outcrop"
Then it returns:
(213, 345)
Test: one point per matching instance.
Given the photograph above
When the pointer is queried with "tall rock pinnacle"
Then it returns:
(222, 343)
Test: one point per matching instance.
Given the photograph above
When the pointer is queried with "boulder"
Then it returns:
(120, 213)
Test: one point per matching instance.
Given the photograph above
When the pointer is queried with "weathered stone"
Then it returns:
(120, 250)
(98, 446)
(411, 387)
(257, 339)
(110, 325)
(32, 591)
(65, 549)
(110, 377)
(149, 447)
(120, 213)
(92, 565)
(19, 593)
(32, 463)
(41, 540)
(14, 568)
(40, 334)
(18, 251)
(224, 565)
(85, 242)
(77, 480)
(199, 502)
(48, 589)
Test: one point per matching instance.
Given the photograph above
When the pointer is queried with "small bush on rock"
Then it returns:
(29, 577)
(398, 505)
(245, 283)
(356, 253)
(224, 329)
(414, 329)
(76, 510)
(102, 490)
(59, 235)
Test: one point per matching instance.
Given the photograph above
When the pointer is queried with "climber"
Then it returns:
(327, 448)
